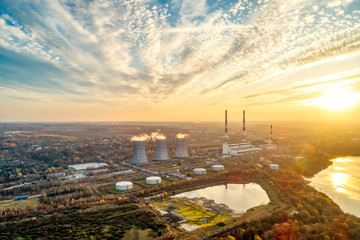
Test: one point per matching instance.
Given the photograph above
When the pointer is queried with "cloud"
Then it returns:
(115, 51)
(310, 88)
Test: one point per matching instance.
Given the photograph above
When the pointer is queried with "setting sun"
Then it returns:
(337, 99)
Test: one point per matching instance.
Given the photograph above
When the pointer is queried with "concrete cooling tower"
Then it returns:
(181, 151)
(161, 152)
(139, 154)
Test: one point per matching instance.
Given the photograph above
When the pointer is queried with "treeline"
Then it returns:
(314, 216)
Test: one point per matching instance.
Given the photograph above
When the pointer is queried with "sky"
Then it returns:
(180, 60)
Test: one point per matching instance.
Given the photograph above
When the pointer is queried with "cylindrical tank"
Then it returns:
(274, 166)
(139, 154)
(181, 151)
(218, 168)
(199, 171)
(161, 152)
(153, 180)
(124, 185)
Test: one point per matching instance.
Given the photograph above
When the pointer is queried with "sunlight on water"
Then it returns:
(239, 197)
(341, 182)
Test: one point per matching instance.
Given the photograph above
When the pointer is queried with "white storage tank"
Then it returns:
(123, 186)
(218, 168)
(273, 166)
(199, 171)
(153, 180)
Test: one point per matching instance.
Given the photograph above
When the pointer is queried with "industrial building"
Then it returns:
(153, 180)
(123, 185)
(161, 152)
(238, 149)
(180, 150)
(139, 154)
(244, 148)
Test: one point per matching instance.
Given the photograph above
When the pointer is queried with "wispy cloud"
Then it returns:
(113, 51)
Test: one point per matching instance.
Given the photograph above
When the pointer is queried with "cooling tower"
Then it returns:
(181, 151)
(161, 152)
(139, 154)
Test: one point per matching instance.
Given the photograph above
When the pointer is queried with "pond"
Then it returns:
(238, 197)
(341, 182)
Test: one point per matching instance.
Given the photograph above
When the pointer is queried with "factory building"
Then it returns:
(139, 154)
(161, 152)
(123, 186)
(245, 148)
(180, 150)
(153, 180)
(239, 149)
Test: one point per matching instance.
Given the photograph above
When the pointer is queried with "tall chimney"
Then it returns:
(180, 150)
(271, 133)
(226, 130)
(139, 154)
(161, 152)
(244, 132)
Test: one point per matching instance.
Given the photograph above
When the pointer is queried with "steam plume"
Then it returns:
(144, 137)
(180, 135)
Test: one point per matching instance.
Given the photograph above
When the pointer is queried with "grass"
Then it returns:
(143, 183)
(30, 202)
(135, 234)
(112, 189)
(193, 212)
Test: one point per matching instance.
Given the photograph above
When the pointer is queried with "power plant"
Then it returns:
(245, 148)
(161, 152)
(139, 154)
(180, 150)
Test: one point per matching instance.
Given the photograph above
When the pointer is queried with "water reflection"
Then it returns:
(239, 197)
(341, 182)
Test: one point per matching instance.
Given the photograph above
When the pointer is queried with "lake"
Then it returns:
(239, 197)
(341, 183)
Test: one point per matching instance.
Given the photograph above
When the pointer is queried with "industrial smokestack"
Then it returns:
(181, 151)
(139, 154)
(161, 152)
(226, 130)
(244, 132)
(226, 122)
(271, 132)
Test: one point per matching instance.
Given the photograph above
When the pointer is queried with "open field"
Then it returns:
(192, 212)
(30, 202)
(143, 183)
(112, 189)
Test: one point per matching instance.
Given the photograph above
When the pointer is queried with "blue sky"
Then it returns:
(154, 59)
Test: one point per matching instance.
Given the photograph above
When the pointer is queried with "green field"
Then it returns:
(110, 189)
(142, 182)
(193, 212)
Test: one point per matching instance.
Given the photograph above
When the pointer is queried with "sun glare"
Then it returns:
(337, 99)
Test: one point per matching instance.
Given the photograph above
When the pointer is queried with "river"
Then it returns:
(341, 182)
